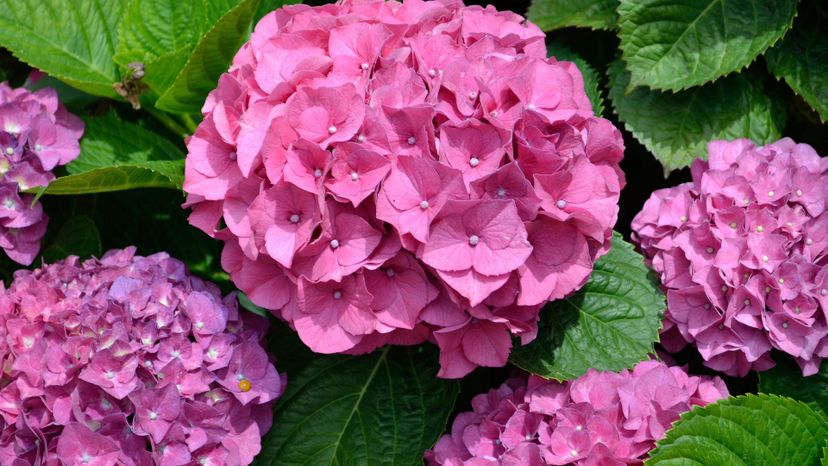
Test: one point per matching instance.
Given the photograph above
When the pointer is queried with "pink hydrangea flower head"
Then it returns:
(129, 360)
(37, 134)
(607, 418)
(389, 172)
(742, 255)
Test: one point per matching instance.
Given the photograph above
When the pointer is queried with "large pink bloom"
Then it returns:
(741, 253)
(37, 134)
(606, 418)
(425, 159)
(129, 360)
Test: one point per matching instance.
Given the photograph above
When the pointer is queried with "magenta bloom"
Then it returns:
(393, 172)
(129, 360)
(36, 135)
(600, 418)
(743, 257)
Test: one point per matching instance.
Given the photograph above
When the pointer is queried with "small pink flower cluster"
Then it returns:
(394, 172)
(743, 255)
(36, 135)
(128, 360)
(601, 418)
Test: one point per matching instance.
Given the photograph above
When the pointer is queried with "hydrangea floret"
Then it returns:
(742, 252)
(388, 173)
(129, 360)
(37, 134)
(600, 418)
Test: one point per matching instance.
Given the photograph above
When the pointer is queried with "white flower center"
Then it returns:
(424, 205)
(531, 107)
(784, 325)
(109, 375)
(212, 353)
(412, 140)
(474, 239)
(561, 204)
(9, 151)
(390, 272)
(334, 244)
(501, 193)
(771, 193)
(809, 241)
(361, 138)
(765, 258)
(432, 72)
(474, 161)
(747, 302)
(317, 173)
(709, 250)
(364, 66)
(199, 325)
(760, 229)
(86, 458)
(799, 192)
(683, 218)
(337, 294)
(294, 218)
(472, 95)
(354, 176)
(733, 225)
(332, 129)
(153, 415)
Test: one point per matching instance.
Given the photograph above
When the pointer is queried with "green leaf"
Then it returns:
(163, 34)
(78, 236)
(555, 14)
(760, 430)
(209, 60)
(116, 155)
(676, 127)
(802, 60)
(73, 40)
(153, 28)
(676, 44)
(381, 408)
(786, 379)
(591, 77)
(610, 324)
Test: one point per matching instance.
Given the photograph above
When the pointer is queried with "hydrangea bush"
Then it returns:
(408, 190)
(37, 134)
(600, 418)
(387, 173)
(129, 360)
(742, 253)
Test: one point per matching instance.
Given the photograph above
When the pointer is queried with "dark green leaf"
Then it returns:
(676, 127)
(246, 303)
(116, 155)
(591, 77)
(555, 14)
(78, 236)
(802, 60)
(73, 40)
(786, 379)
(676, 44)
(210, 58)
(610, 324)
(382, 408)
(760, 430)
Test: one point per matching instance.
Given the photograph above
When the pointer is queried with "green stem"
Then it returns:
(188, 122)
(169, 122)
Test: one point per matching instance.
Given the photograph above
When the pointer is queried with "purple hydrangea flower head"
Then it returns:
(393, 172)
(129, 360)
(743, 256)
(600, 418)
(37, 134)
